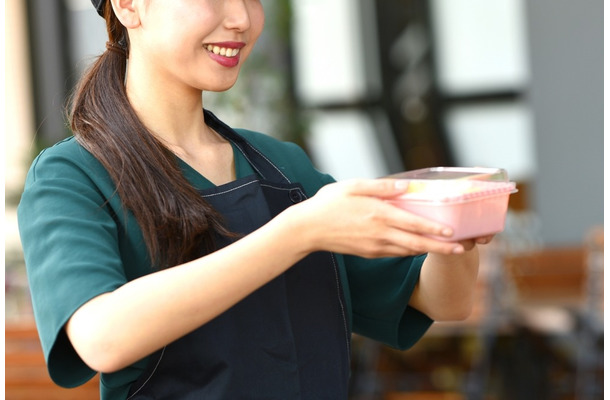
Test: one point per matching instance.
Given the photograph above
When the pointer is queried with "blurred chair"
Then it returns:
(552, 299)
(536, 332)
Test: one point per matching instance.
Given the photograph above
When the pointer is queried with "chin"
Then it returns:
(219, 86)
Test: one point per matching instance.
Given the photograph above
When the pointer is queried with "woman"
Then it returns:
(184, 259)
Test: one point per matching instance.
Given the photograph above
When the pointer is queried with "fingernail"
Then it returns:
(401, 184)
(458, 250)
(447, 232)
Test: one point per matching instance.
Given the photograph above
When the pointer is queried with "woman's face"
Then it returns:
(198, 43)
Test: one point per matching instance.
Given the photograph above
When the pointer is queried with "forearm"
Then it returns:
(445, 290)
(116, 329)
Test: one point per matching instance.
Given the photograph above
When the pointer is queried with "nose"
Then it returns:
(237, 15)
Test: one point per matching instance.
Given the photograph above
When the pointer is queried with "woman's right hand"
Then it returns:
(353, 217)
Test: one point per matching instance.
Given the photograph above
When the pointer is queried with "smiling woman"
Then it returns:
(182, 258)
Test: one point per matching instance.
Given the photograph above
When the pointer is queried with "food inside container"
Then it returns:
(455, 173)
(472, 201)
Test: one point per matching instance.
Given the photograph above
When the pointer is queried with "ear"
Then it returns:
(127, 12)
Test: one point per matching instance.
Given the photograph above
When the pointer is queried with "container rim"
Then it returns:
(494, 189)
(454, 173)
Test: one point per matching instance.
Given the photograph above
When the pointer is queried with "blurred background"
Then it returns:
(370, 88)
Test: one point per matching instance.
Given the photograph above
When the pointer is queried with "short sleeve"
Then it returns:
(380, 291)
(70, 244)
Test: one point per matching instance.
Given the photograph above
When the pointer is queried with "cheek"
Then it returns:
(256, 28)
(257, 19)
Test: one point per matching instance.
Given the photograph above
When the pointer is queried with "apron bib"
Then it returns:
(287, 340)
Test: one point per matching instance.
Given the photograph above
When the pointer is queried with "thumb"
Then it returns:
(384, 188)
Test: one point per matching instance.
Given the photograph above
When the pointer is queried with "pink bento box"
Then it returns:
(472, 201)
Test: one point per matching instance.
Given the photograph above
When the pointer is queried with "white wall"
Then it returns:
(567, 97)
(481, 48)
(336, 63)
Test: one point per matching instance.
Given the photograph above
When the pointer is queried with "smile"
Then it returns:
(222, 51)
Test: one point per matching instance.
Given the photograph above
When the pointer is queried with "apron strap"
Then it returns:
(259, 162)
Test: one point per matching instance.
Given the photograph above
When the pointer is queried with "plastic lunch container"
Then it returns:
(472, 201)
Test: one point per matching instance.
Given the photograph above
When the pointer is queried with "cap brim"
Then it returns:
(99, 6)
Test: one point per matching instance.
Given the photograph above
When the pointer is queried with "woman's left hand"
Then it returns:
(446, 287)
(469, 244)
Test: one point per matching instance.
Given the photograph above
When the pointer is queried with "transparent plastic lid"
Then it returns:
(452, 173)
(454, 191)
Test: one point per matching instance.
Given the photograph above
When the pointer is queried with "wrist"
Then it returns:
(296, 226)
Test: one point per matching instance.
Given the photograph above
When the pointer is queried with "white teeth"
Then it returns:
(223, 51)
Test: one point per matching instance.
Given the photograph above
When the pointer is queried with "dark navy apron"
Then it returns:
(287, 340)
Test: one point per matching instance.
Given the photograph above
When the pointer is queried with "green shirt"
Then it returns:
(79, 243)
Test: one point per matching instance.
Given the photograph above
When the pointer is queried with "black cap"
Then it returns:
(99, 6)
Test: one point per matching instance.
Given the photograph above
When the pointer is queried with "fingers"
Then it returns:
(424, 244)
(469, 244)
(363, 223)
(401, 244)
(484, 239)
(389, 188)
(405, 220)
(383, 188)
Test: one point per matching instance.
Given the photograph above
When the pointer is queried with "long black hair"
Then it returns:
(176, 222)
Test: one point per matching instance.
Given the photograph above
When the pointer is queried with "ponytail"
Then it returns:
(178, 225)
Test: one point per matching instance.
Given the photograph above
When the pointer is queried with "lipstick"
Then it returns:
(225, 53)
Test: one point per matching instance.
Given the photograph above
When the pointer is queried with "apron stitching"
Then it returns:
(332, 257)
(150, 376)
(228, 190)
(337, 281)
(282, 188)
(249, 160)
(269, 161)
(228, 135)
(245, 142)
